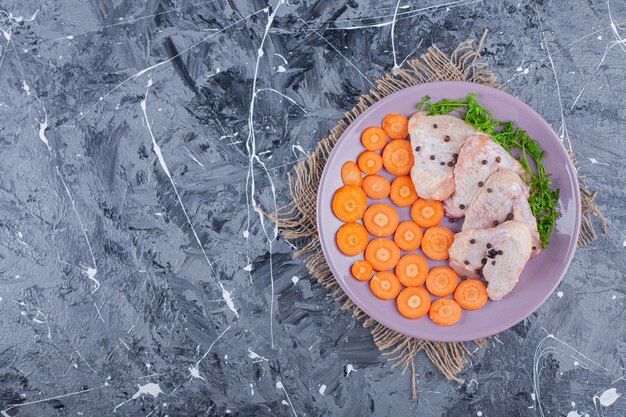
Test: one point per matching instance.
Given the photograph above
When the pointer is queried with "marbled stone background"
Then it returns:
(139, 140)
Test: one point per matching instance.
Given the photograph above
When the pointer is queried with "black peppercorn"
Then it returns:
(455, 155)
(495, 222)
(466, 262)
(442, 163)
(498, 159)
(432, 157)
(435, 126)
(472, 241)
(484, 162)
(500, 252)
(488, 245)
(480, 183)
(417, 148)
(534, 248)
(479, 271)
(446, 138)
(489, 190)
(493, 262)
(450, 163)
(462, 206)
(483, 261)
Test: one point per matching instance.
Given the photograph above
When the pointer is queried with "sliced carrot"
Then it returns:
(349, 203)
(436, 242)
(427, 213)
(381, 219)
(374, 138)
(352, 238)
(442, 281)
(402, 191)
(376, 187)
(412, 270)
(471, 294)
(398, 157)
(408, 236)
(370, 162)
(396, 126)
(351, 174)
(413, 302)
(362, 270)
(385, 285)
(383, 254)
(445, 312)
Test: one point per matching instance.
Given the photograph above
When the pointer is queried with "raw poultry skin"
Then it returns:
(436, 142)
(498, 253)
(479, 157)
(503, 197)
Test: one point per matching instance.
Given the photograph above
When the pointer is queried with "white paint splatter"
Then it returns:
(624, 243)
(42, 131)
(26, 87)
(246, 234)
(194, 370)
(599, 37)
(595, 161)
(254, 355)
(559, 294)
(157, 150)
(248, 268)
(576, 363)
(479, 413)
(573, 413)
(150, 389)
(251, 389)
(279, 385)
(349, 369)
(613, 297)
(608, 397)
(322, 389)
(295, 279)
(573, 404)
(280, 69)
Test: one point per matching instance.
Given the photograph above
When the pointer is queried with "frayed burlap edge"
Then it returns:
(297, 221)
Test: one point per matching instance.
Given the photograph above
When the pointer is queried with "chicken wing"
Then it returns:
(498, 253)
(503, 197)
(436, 142)
(479, 157)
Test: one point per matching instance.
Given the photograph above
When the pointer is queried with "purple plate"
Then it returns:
(541, 275)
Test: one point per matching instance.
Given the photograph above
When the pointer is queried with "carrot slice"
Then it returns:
(370, 162)
(396, 126)
(374, 138)
(380, 219)
(445, 312)
(436, 242)
(412, 270)
(362, 270)
(402, 192)
(376, 187)
(383, 254)
(398, 157)
(471, 294)
(349, 203)
(413, 302)
(408, 235)
(352, 238)
(427, 213)
(442, 281)
(351, 174)
(385, 285)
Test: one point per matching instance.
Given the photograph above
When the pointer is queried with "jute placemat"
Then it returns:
(297, 221)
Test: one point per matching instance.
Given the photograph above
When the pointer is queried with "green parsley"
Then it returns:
(543, 199)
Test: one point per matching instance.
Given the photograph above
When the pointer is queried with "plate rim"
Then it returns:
(506, 324)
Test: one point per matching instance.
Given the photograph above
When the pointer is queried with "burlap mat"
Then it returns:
(297, 221)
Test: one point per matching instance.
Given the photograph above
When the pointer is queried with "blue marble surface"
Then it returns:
(140, 143)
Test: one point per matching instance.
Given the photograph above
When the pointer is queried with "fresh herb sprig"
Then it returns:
(543, 199)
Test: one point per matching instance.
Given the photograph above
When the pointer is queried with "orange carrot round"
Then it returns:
(383, 254)
(376, 187)
(380, 219)
(352, 238)
(396, 126)
(436, 242)
(402, 191)
(412, 270)
(442, 281)
(471, 294)
(413, 302)
(408, 236)
(349, 203)
(370, 162)
(445, 312)
(373, 138)
(385, 285)
(351, 174)
(362, 270)
(398, 157)
(427, 213)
